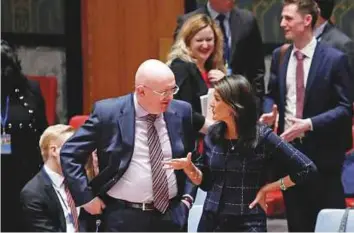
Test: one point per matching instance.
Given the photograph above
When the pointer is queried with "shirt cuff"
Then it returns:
(308, 121)
(188, 196)
(187, 203)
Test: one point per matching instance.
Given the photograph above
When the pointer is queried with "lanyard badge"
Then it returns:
(5, 138)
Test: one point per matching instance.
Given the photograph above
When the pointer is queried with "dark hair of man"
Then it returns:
(326, 7)
(305, 7)
(236, 91)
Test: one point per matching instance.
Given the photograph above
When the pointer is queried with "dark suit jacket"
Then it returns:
(190, 82)
(42, 209)
(328, 97)
(247, 56)
(111, 129)
(333, 37)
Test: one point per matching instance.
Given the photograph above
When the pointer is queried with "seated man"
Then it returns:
(46, 202)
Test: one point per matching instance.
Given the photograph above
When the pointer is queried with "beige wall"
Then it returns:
(117, 35)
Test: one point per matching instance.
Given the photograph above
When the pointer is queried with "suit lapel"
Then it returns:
(316, 60)
(201, 86)
(53, 201)
(126, 121)
(174, 128)
(235, 28)
(282, 74)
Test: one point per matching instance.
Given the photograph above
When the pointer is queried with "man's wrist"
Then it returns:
(188, 200)
(309, 124)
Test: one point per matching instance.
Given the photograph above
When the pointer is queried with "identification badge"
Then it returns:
(70, 218)
(228, 69)
(6, 144)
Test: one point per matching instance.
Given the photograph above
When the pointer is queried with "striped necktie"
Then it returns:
(300, 84)
(71, 204)
(159, 179)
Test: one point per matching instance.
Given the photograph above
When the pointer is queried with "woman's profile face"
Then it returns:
(221, 110)
(202, 44)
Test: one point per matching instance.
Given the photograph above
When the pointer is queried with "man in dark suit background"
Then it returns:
(45, 199)
(133, 134)
(329, 34)
(243, 51)
(313, 90)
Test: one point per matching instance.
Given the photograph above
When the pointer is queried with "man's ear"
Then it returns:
(140, 91)
(52, 150)
(308, 19)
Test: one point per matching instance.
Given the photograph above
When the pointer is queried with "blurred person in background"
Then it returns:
(242, 41)
(327, 33)
(196, 59)
(46, 202)
(23, 120)
(313, 89)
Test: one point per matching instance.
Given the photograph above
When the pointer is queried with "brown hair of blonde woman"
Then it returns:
(180, 49)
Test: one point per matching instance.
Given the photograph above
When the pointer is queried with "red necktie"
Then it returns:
(159, 179)
(300, 84)
(72, 207)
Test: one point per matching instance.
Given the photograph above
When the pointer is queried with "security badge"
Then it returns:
(5, 143)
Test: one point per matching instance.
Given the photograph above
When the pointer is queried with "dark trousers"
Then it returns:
(118, 217)
(212, 222)
(303, 202)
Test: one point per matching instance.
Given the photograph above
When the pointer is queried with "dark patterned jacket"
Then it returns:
(232, 177)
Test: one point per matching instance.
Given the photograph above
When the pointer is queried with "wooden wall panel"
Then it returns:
(117, 35)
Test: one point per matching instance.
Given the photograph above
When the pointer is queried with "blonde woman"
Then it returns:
(196, 59)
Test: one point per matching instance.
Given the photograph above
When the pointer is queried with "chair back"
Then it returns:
(77, 121)
(48, 85)
(335, 220)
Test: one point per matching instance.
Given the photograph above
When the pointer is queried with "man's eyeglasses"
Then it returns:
(166, 93)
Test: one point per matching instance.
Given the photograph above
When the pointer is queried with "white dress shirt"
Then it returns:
(58, 185)
(214, 14)
(308, 51)
(136, 183)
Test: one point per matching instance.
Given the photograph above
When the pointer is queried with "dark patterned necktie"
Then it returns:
(221, 18)
(300, 84)
(159, 179)
(72, 207)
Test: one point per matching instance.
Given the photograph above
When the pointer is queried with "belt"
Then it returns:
(134, 205)
(141, 206)
(127, 204)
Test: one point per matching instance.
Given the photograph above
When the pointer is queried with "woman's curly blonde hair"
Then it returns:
(180, 49)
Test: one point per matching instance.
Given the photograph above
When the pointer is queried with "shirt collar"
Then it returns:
(56, 178)
(139, 110)
(308, 50)
(213, 13)
(319, 30)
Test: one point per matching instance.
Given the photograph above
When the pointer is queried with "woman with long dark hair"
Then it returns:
(233, 168)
